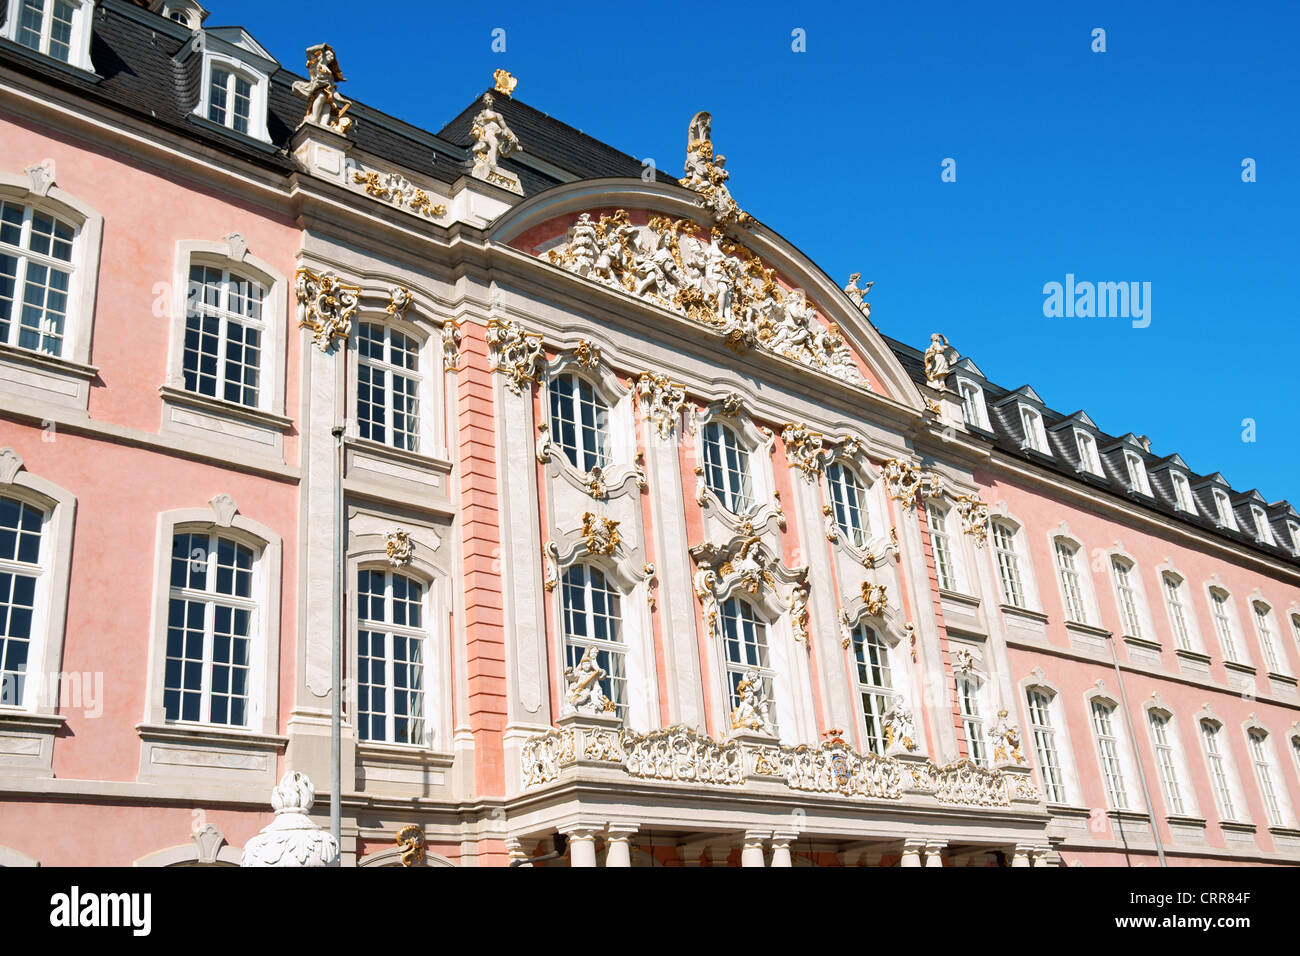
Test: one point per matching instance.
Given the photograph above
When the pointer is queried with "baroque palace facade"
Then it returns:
(655, 551)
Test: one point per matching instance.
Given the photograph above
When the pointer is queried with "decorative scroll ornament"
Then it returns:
(545, 447)
(399, 300)
(651, 582)
(910, 630)
(963, 661)
(963, 783)
(516, 354)
(681, 754)
(873, 598)
(586, 355)
(705, 174)
(804, 448)
(396, 189)
(900, 729)
(710, 279)
(451, 345)
(411, 839)
(745, 564)
(40, 177)
(493, 142)
(939, 359)
(326, 306)
(834, 767)
(974, 518)
(584, 691)
(291, 839)
(799, 612)
(846, 630)
(1006, 740)
(752, 706)
(503, 82)
(905, 481)
(596, 483)
(551, 555)
(600, 534)
(662, 401)
(859, 296)
(326, 106)
(400, 547)
(832, 526)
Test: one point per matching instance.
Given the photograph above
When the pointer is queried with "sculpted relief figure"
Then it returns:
(707, 175)
(325, 105)
(751, 710)
(585, 693)
(859, 296)
(493, 142)
(939, 359)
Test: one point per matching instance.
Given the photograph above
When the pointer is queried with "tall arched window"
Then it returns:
(1006, 552)
(745, 637)
(1223, 628)
(391, 658)
(21, 574)
(388, 386)
(945, 554)
(1126, 585)
(1162, 742)
(1112, 771)
(726, 468)
(1262, 758)
(591, 619)
(972, 718)
(36, 271)
(1220, 769)
(213, 619)
(848, 499)
(875, 684)
(224, 329)
(578, 422)
(1071, 585)
(1044, 732)
(1174, 600)
(1264, 626)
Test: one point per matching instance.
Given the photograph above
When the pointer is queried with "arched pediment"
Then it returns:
(649, 241)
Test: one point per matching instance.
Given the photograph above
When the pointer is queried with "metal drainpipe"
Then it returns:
(336, 653)
(1132, 734)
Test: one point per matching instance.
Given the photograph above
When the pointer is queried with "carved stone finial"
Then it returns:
(399, 300)
(874, 598)
(292, 839)
(327, 306)
(974, 518)
(326, 106)
(504, 82)
(905, 481)
(804, 449)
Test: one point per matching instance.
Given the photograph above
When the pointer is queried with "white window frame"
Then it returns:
(1172, 769)
(767, 671)
(603, 412)
(258, 80)
(1134, 613)
(851, 481)
(49, 621)
(73, 364)
(1076, 607)
(1035, 434)
(429, 692)
(1117, 760)
(1089, 461)
(1263, 530)
(1231, 643)
(1220, 768)
(230, 256)
(79, 43)
(946, 546)
(1223, 509)
(615, 648)
(1294, 529)
(736, 500)
(971, 689)
(1275, 656)
(385, 365)
(1135, 468)
(222, 518)
(1183, 499)
(1051, 733)
(1022, 567)
(1190, 639)
(972, 397)
(1272, 788)
(881, 694)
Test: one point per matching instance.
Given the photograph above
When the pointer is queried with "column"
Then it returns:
(752, 852)
(912, 852)
(515, 847)
(934, 852)
(781, 848)
(1042, 856)
(618, 845)
(1020, 855)
(582, 846)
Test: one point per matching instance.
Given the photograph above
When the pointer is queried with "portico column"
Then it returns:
(1041, 856)
(582, 846)
(618, 850)
(912, 852)
(933, 852)
(1020, 856)
(781, 849)
(752, 852)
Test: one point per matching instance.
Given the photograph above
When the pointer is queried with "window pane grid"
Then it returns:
(223, 336)
(591, 619)
(1169, 784)
(388, 386)
(208, 663)
(972, 719)
(726, 466)
(875, 684)
(1223, 624)
(1049, 763)
(1266, 637)
(1263, 770)
(847, 502)
(1177, 614)
(745, 638)
(1108, 751)
(20, 571)
(1004, 547)
(390, 658)
(35, 278)
(1218, 771)
(578, 421)
(941, 543)
(1127, 598)
(1070, 586)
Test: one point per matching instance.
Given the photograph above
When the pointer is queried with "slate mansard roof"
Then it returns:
(140, 69)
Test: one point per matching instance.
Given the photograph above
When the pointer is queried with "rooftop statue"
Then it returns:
(325, 105)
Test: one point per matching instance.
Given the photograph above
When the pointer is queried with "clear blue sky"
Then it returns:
(1115, 166)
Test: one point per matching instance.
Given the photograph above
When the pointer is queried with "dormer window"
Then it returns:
(972, 404)
(59, 29)
(1088, 460)
(1137, 473)
(1263, 533)
(1182, 492)
(1294, 528)
(187, 14)
(235, 78)
(1032, 424)
(1224, 508)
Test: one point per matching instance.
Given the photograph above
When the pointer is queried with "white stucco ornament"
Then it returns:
(705, 173)
(326, 106)
(939, 359)
(585, 693)
(752, 710)
(292, 839)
